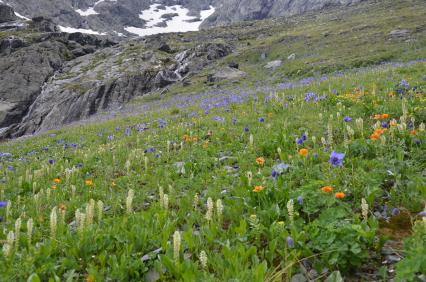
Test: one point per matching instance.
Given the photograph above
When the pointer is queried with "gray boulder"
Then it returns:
(226, 73)
(7, 14)
(273, 65)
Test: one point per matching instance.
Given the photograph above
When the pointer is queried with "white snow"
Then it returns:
(91, 10)
(82, 30)
(21, 16)
(180, 23)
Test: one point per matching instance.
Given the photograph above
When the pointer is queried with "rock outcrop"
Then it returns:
(6, 14)
(102, 81)
(231, 11)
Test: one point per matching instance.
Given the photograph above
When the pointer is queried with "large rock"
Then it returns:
(9, 44)
(273, 65)
(226, 73)
(7, 14)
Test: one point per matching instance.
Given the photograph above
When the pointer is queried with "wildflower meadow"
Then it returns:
(322, 178)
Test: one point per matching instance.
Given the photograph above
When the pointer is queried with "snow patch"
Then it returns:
(82, 30)
(91, 10)
(21, 16)
(180, 23)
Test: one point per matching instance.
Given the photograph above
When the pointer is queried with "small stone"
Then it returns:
(291, 57)
(299, 278)
(273, 64)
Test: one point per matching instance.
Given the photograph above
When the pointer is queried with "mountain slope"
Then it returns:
(335, 39)
(232, 11)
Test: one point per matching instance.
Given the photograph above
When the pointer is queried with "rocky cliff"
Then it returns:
(231, 11)
(112, 17)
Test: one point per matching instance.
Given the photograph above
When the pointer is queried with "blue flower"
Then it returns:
(219, 119)
(127, 131)
(422, 214)
(300, 200)
(246, 129)
(347, 119)
(336, 159)
(3, 204)
(385, 124)
(10, 168)
(290, 242)
(152, 150)
(274, 173)
(51, 162)
(261, 119)
(395, 212)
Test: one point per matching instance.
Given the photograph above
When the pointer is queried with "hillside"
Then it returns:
(279, 150)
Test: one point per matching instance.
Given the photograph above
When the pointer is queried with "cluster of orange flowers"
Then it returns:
(377, 133)
(381, 117)
(329, 189)
(57, 181)
(189, 139)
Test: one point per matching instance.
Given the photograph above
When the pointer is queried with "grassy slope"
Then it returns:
(238, 245)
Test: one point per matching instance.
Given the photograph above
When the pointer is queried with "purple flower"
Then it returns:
(51, 162)
(422, 214)
(274, 173)
(385, 124)
(300, 200)
(127, 131)
(9, 168)
(261, 119)
(395, 212)
(290, 242)
(3, 204)
(336, 159)
(152, 150)
(110, 138)
(219, 119)
(246, 129)
(347, 119)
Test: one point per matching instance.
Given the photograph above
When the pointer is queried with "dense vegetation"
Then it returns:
(315, 170)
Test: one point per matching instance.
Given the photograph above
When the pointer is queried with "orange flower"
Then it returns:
(90, 278)
(260, 161)
(62, 207)
(54, 187)
(413, 132)
(340, 195)
(392, 123)
(303, 152)
(57, 180)
(88, 182)
(377, 116)
(384, 116)
(206, 145)
(327, 189)
(375, 136)
(194, 139)
(258, 189)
